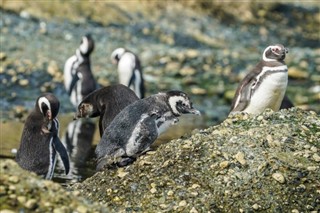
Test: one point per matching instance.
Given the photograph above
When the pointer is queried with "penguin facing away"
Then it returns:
(39, 141)
(78, 77)
(129, 70)
(264, 87)
(136, 127)
(105, 102)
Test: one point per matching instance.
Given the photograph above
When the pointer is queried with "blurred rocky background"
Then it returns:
(201, 47)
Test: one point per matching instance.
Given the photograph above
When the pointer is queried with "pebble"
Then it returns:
(255, 206)
(23, 82)
(7, 211)
(31, 204)
(3, 56)
(193, 210)
(82, 209)
(224, 164)
(240, 158)
(316, 157)
(278, 177)
(182, 203)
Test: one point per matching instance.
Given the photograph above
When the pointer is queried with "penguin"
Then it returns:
(78, 78)
(78, 139)
(129, 70)
(136, 127)
(265, 86)
(39, 141)
(105, 102)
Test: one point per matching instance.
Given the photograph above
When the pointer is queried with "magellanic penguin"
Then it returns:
(264, 87)
(129, 70)
(105, 102)
(40, 141)
(137, 126)
(78, 78)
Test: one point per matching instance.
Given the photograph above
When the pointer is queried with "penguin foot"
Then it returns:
(125, 161)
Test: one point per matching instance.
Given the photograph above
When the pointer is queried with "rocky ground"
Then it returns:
(200, 47)
(267, 163)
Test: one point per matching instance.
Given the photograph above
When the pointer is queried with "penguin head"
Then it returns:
(180, 103)
(85, 110)
(116, 55)
(86, 45)
(275, 52)
(48, 105)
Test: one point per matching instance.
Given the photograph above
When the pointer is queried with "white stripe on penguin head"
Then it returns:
(45, 101)
(84, 47)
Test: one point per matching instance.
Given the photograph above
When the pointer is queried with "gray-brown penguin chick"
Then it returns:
(105, 102)
(137, 126)
(40, 141)
(265, 86)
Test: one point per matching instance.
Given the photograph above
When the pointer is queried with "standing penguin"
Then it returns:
(136, 127)
(129, 70)
(106, 102)
(264, 87)
(78, 78)
(40, 141)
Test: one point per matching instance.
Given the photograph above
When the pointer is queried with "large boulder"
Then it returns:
(268, 162)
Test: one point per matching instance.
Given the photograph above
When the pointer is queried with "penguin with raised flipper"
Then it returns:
(265, 86)
(136, 127)
(129, 70)
(40, 139)
(78, 77)
(105, 102)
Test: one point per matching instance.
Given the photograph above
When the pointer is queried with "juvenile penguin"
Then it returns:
(264, 87)
(136, 127)
(40, 141)
(105, 102)
(78, 78)
(129, 70)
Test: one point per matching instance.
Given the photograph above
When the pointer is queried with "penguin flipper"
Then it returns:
(74, 80)
(58, 146)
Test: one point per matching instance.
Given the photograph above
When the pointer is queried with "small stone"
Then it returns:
(6, 211)
(194, 186)
(14, 179)
(153, 190)
(82, 209)
(312, 168)
(316, 157)
(182, 203)
(279, 177)
(23, 82)
(223, 164)
(121, 173)
(170, 193)
(193, 210)
(3, 56)
(314, 149)
(295, 73)
(198, 91)
(295, 211)
(255, 206)
(240, 158)
(31, 204)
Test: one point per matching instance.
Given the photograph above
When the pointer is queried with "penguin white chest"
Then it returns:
(269, 94)
(125, 68)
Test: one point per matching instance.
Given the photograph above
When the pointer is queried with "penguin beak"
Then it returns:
(49, 115)
(194, 111)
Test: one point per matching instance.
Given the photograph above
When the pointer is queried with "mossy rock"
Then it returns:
(22, 191)
(266, 162)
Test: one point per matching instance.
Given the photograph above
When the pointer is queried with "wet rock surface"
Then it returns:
(266, 162)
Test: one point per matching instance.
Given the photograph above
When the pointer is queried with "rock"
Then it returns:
(279, 177)
(3, 56)
(196, 167)
(34, 194)
(295, 73)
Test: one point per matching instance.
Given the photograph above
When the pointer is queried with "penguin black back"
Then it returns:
(39, 140)
(106, 102)
(78, 77)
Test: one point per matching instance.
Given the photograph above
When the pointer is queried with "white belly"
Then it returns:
(269, 94)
